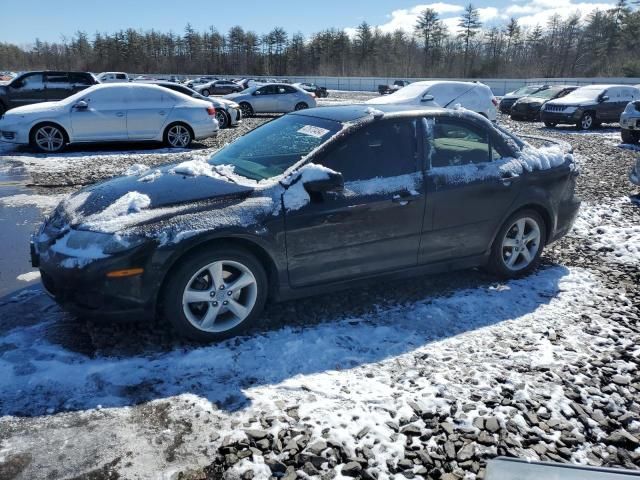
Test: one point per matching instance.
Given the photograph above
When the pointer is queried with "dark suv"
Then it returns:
(36, 87)
(588, 107)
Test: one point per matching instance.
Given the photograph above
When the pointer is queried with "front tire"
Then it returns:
(629, 136)
(178, 135)
(587, 121)
(518, 246)
(215, 294)
(301, 106)
(48, 138)
(205, 93)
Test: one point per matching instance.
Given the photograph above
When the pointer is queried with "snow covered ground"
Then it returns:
(413, 381)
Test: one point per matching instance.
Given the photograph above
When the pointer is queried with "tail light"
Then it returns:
(211, 111)
(494, 100)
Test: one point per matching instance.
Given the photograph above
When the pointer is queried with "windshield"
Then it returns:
(547, 94)
(270, 150)
(411, 91)
(590, 93)
(526, 90)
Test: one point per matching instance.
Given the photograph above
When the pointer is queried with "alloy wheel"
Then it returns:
(301, 106)
(179, 136)
(521, 243)
(49, 138)
(220, 296)
(246, 109)
(586, 122)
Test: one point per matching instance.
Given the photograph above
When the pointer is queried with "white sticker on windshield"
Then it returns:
(313, 131)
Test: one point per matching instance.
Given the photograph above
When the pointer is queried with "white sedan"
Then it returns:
(473, 96)
(111, 113)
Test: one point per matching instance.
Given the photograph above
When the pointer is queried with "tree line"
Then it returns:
(604, 43)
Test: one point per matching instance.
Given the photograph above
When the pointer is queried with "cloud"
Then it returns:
(528, 13)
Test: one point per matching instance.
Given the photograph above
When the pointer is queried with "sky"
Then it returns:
(26, 20)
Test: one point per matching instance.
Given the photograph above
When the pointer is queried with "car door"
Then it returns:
(468, 194)
(148, 111)
(27, 89)
(57, 86)
(265, 99)
(374, 224)
(608, 105)
(287, 98)
(104, 118)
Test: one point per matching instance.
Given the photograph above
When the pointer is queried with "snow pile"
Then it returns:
(374, 112)
(296, 196)
(543, 158)
(194, 168)
(29, 276)
(136, 169)
(611, 228)
(129, 204)
(378, 185)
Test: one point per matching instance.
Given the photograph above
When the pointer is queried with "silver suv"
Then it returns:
(630, 123)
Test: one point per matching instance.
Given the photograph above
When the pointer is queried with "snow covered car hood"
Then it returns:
(158, 190)
(572, 101)
(35, 108)
(531, 100)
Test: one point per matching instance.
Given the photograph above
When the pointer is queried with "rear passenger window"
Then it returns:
(456, 143)
(386, 148)
(80, 79)
(57, 78)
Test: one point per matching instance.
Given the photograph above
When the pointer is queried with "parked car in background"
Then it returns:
(228, 112)
(46, 86)
(630, 122)
(528, 108)
(397, 85)
(507, 101)
(272, 98)
(588, 107)
(325, 196)
(191, 83)
(218, 87)
(113, 77)
(6, 76)
(319, 92)
(473, 96)
(111, 113)
(247, 82)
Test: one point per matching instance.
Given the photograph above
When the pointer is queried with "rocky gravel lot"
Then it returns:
(427, 379)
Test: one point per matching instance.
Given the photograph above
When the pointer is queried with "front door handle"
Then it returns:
(120, 114)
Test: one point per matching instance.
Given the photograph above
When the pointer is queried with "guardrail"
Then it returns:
(499, 86)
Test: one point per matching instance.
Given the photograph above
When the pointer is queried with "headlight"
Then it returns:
(570, 109)
(83, 242)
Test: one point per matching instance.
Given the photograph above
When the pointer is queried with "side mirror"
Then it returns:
(81, 105)
(257, 92)
(335, 182)
(427, 98)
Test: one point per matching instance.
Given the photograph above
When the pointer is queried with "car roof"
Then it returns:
(350, 113)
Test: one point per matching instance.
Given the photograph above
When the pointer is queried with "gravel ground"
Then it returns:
(559, 384)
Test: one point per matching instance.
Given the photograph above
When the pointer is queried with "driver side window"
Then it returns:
(386, 148)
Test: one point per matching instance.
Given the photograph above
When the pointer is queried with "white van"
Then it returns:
(113, 77)
(474, 96)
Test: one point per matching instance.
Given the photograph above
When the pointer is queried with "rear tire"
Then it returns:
(301, 106)
(518, 246)
(178, 135)
(247, 109)
(629, 136)
(205, 93)
(224, 311)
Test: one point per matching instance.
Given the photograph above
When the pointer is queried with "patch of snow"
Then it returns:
(296, 196)
(378, 185)
(29, 276)
(194, 168)
(44, 202)
(136, 169)
(151, 176)
(543, 158)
